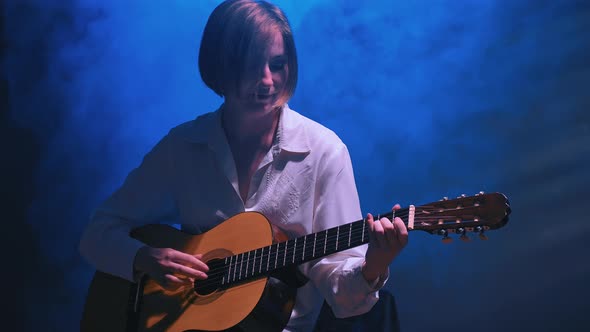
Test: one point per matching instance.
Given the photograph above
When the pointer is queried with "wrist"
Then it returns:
(372, 273)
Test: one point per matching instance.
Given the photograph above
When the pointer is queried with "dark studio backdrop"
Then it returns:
(433, 98)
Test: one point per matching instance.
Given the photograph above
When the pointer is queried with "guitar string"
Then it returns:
(355, 236)
(329, 241)
(433, 216)
(281, 252)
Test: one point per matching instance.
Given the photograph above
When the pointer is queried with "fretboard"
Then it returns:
(263, 261)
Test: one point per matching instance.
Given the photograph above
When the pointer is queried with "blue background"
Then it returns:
(433, 98)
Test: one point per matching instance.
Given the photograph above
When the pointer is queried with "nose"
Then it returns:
(266, 79)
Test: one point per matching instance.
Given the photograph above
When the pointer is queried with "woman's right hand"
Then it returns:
(170, 268)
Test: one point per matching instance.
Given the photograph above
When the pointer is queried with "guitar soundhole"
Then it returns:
(214, 279)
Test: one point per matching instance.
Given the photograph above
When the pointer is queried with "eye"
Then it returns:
(277, 64)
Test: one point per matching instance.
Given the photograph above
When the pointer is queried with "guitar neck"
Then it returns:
(263, 261)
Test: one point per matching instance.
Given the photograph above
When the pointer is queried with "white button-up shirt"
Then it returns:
(304, 184)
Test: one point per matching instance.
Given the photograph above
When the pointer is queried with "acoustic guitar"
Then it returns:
(252, 276)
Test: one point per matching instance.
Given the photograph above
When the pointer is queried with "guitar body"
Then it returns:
(265, 304)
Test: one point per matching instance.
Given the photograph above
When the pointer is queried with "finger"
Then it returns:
(186, 271)
(396, 207)
(190, 260)
(390, 231)
(172, 282)
(371, 223)
(379, 234)
(402, 231)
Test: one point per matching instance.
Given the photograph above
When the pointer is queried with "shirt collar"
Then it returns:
(292, 132)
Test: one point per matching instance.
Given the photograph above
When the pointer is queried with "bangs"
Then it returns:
(251, 58)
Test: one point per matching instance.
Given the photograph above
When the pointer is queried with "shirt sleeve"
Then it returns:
(145, 197)
(338, 277)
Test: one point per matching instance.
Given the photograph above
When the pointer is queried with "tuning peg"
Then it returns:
(463, 234)
(445, 235)
(480, 230)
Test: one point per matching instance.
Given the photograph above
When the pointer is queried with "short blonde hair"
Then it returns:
(229, 39)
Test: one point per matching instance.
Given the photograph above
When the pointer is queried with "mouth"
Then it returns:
(263, 97)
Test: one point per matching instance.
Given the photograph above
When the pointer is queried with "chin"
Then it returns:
(262, 109)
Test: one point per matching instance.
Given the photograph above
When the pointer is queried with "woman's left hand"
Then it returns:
(386, 241)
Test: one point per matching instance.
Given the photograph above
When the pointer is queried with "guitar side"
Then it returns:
(110, 301)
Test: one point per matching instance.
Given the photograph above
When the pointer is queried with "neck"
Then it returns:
(252, 129)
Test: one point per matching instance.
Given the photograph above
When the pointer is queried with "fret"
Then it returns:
(349, 233)
(241, 263)
(362, 225)
(261, 256)
(320, 244)
(363, 234)
(224, 264)
(337, 236)
(247, 263)
(229, 268)
(246, 258)
(268, 260)
(254, 263)
(285, 255)
(315, 237)
(235, 266)
(294, 251)
(234, 276)
(277, 254)
(342, 239)
(325, 240)
(257, 263)
(304, 243)
(308, 248)
(254, 266)
(332, 233)
(300, 250)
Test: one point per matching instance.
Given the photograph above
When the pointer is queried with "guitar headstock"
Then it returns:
(462, 215)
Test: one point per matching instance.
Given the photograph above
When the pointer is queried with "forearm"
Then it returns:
(106, 244)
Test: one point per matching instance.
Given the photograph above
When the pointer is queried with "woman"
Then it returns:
(252, 154)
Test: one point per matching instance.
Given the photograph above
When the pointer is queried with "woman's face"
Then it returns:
(264, 80)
